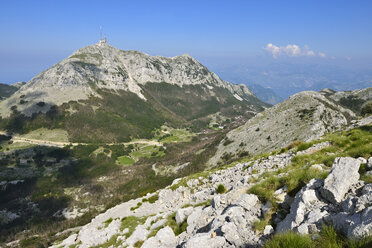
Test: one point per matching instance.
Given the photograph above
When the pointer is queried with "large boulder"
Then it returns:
(305, 201)
(182, 214)
(343, 175)
(164, 238)
(250, 203)
(205, 240)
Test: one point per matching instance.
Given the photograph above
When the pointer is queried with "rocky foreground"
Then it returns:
(227, 219)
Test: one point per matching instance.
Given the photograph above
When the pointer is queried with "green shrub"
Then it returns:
(227, 142)
(367, 108)
(221, 189)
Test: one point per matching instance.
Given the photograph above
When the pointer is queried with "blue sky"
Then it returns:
(34, 35)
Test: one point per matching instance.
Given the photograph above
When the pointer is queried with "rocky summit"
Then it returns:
(102, 66)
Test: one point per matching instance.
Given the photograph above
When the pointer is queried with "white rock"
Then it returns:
(230, 232)
(343, 175)
(139, 234)
(369, 163)
(182, 214)
(250, 203)
(268, 230)
(362, 160)
(202, 240)
(165, 238)
(317, 167)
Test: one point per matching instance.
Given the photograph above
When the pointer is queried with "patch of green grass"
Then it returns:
(299, 177)
(203, 204)
(177, 228)
(58, 135)
(139, 243)
(328, 237)
(125, 160)
(15, 145)
(265, 190)
(107, 222)
(177, 135)
(139, 204)
(259, 225)
(131, 222)
(290, 240)
(304, 146)
(33, 242)
(151, 199)
(147, 151)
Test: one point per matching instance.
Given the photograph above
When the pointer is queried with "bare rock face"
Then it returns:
(343, 175)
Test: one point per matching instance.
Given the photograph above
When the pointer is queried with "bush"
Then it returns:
(367, 108)
(221, 189)
(227, 142)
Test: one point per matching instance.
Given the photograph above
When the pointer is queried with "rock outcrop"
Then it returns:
(343, 175)
(340, 200)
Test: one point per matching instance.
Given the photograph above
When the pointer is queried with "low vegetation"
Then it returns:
(177, 228)
(220, 189)
(328, 237)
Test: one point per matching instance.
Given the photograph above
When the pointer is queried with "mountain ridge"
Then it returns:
(105, 67)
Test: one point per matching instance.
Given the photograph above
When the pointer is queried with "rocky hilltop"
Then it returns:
(102, 66)
(304, 116)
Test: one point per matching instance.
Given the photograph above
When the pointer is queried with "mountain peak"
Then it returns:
(102, 66)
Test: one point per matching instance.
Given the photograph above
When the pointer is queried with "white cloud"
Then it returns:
(321, 55)
(291, 51)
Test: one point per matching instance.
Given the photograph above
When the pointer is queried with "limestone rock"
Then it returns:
(343, 175)
(306, 199)
(369, 163)
(139, 234)
(165, 238)
(268, 230)
(250, 203)
(182, 214)
(203, 240)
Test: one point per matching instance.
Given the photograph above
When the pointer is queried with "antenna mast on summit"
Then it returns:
(101, 38)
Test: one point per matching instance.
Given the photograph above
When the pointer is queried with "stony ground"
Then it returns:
(213, 219)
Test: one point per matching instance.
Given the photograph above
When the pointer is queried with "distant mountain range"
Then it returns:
(265, 94)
